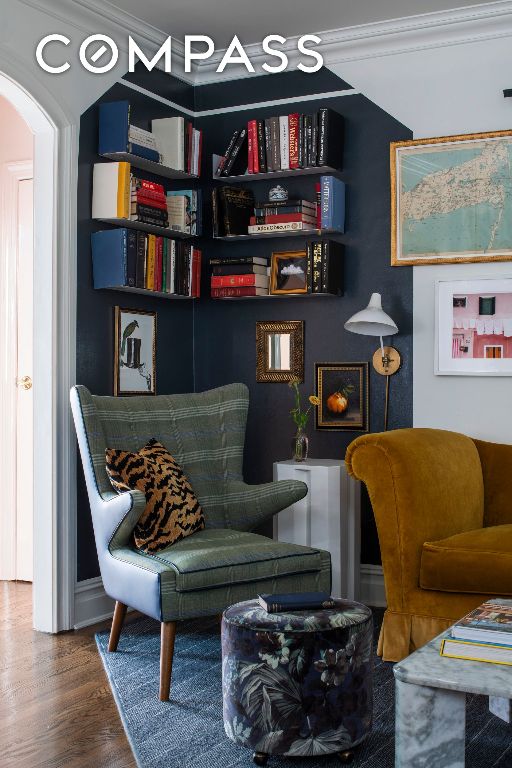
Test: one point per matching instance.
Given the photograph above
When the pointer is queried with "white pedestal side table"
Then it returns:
(328, 517)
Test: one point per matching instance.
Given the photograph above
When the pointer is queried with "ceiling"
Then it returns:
(252, 20)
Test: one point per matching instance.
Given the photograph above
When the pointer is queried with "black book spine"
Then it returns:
(143, 219)
(301, 141)
(215, 213)
(228, 260)
(236, 269)
(309, 273)
(317, 266)
(308, 128)
(131, 258)
(326, 270)
(148, 210)
(314, 138)
(140, 267)
(332, 267)
(323, 136)
(228, 152)
(230, 161)
(262, 155)
(268, 145)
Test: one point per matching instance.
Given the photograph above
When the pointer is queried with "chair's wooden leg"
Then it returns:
(168, 633)
(117, 625)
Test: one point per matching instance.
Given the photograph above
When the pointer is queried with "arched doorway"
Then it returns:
(54, 296)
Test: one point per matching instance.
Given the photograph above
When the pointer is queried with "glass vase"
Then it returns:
(300, 444)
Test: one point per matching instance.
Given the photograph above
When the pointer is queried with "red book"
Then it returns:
(284, 218)
(252, 133)
(226, 281)
(159, 250)
(151, 186)
(293, 132)
(223, 293)
(250, 147)
(318, 194)
(196, 273)
(152, 202)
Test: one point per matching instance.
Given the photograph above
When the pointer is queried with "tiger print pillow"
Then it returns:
(172, 511)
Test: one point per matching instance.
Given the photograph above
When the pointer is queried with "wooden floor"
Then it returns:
(56, 707)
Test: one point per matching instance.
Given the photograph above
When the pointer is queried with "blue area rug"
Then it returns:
(188, 732)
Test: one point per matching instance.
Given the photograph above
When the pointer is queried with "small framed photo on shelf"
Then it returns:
(289, 272)
(134, 352)
(343, 391)
(474, 336)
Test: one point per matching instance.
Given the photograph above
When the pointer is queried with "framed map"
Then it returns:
(451, 199)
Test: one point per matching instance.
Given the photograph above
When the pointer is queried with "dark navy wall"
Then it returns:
(209, 343)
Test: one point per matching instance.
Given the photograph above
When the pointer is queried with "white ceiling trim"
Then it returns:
(385, 38)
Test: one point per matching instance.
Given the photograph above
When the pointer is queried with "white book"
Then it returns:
(197, 141)
(289, 226)
(111, 191)
(143, 138)
(170, 141)
(284, 142)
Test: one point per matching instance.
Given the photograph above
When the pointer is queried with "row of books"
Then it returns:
(124, 258)
(172, 141)
(285, 143)
(235, 211)
(118, 193)
(485, 634)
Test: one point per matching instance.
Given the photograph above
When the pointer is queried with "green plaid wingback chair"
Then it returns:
(213, 568)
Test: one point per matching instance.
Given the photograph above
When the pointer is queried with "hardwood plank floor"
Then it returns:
(56, 706)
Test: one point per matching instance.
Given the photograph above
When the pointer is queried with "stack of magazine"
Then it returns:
(485, 634)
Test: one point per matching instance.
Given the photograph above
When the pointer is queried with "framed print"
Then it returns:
(279, 350)
(451, 199)
(343, 391)
(289, 272)
(474, 338)
(134, 352)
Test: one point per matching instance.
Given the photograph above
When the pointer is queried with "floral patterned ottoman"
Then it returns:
(299, 683)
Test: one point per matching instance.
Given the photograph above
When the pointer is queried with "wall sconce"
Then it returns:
(373, 321)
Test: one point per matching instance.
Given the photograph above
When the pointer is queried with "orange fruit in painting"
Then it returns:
(337, 403)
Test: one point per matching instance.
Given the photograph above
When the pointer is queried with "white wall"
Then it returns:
(436, 92)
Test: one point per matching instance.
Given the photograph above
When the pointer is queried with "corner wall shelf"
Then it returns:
(151, 228)
(316, 170)
(146, 292)
(286, 233)
(149, 165)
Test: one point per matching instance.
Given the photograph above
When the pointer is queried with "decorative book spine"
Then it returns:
(131, 258)
(293, 137)
(222, 165)
(250, 148)
(275, 144)
(284, 143)
(262, 158)
(326, 198)
(317, 267)
(140, 269)
(150, 265)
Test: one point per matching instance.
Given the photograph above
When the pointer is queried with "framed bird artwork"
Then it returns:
(134, 352)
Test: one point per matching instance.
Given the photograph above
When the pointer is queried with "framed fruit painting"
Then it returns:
(343, 391)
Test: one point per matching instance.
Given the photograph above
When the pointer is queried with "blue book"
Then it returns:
(110, 258)
(114, 126)
(332, 203)
(297, 601)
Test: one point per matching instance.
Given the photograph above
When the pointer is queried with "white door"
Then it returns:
(24, 419)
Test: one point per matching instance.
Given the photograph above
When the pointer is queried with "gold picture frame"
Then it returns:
(297, 280)
(437, 195)
(331, 379)
(134, 352)
(279, 350)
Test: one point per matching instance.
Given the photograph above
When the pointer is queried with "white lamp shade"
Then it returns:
(372, 321)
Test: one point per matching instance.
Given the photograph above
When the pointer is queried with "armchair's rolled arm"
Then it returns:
(496, 459)
(116, 515)
(244, 506)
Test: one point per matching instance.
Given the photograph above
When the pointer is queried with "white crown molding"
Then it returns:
(385, 38)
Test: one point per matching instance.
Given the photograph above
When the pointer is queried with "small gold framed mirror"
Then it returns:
(279, 350)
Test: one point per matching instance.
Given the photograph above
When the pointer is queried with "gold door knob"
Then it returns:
(25, 382)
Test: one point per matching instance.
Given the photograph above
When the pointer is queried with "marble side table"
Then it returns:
(431, 704)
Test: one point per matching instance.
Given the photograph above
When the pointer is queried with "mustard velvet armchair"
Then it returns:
(443, 508)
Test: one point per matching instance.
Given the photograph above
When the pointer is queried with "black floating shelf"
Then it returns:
(149, 165)
(286, 233)
(317, 170)
(146, 292)
(278, 296)
(151, 228)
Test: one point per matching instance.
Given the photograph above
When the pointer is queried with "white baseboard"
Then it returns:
(371, 587)
(91, 603)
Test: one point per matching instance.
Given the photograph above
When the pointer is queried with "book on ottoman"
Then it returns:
(298, 601)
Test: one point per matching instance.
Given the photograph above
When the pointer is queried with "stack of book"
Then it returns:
(148, 202)
(118, 134)
(296, 601)
(184, 209)
(179, 143)
(245, 276)
(485, 634)
(280, 215)
(124, 258)
(283, 143)
(325, 260)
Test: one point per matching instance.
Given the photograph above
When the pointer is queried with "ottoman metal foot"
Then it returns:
(260, 758)
(346, 756)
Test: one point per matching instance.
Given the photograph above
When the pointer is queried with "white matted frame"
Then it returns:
(447, 365)
(55, 165)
